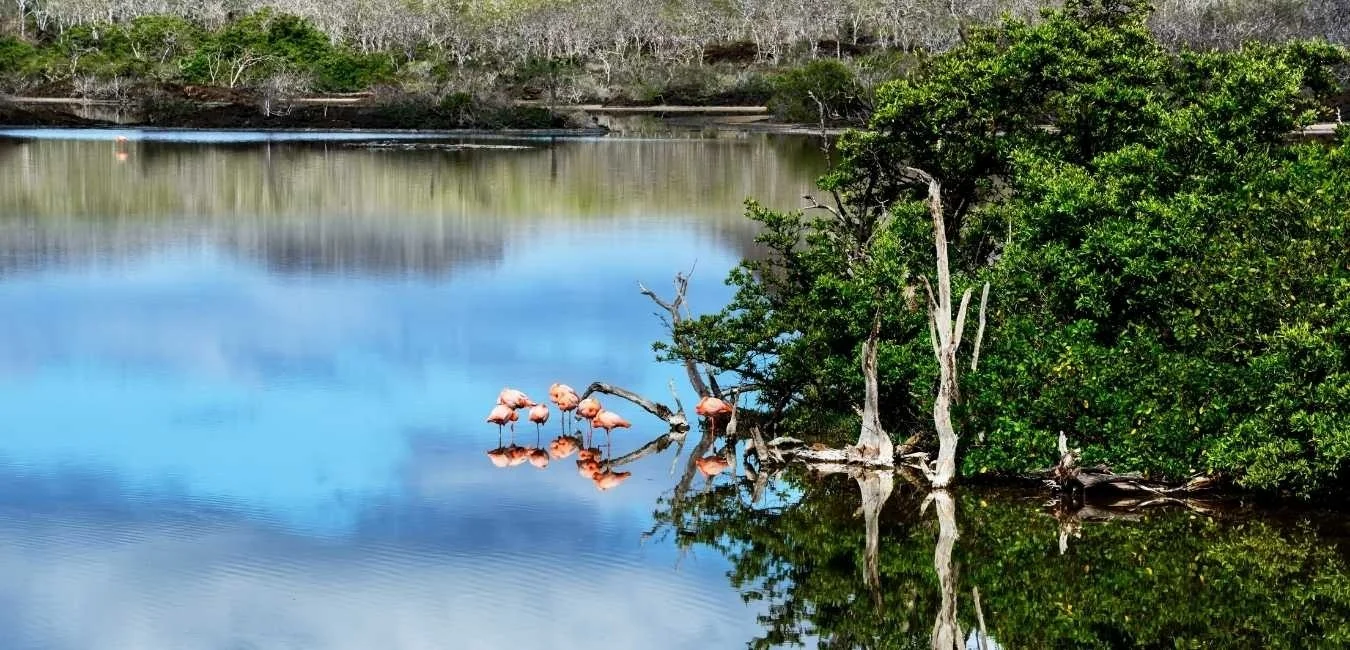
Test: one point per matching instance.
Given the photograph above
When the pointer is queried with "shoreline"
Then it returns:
(357, 115)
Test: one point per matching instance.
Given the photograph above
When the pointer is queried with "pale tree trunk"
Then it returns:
(873, 441)
(944, 332)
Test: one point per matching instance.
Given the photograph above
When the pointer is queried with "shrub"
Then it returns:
(830, 82)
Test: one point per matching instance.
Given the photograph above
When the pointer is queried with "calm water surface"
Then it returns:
(243, 383)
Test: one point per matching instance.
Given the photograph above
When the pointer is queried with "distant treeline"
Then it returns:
(570, 50)
(676, 30)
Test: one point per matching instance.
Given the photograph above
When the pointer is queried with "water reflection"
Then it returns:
(315, 208)
(983, 569)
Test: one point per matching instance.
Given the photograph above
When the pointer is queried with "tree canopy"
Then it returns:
(1170, 269)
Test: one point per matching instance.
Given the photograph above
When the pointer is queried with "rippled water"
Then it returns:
(242, 390)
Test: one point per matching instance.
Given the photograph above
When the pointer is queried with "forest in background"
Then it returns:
(459, 53)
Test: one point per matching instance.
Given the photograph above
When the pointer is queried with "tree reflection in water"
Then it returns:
(1015, 573)
(1147, 578)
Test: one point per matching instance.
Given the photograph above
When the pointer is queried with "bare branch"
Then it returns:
(674, 308)
(676, 396)
(961, 319)
(676, 419)
(813, 204)
(979, 334)
(656, 299)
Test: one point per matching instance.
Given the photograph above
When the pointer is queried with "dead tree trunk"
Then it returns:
(945, 326)
(675, 309)
(873, 441)
(676, 419)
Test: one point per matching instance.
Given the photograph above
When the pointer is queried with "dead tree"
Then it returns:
(674, 417)
(676, 313)
(1074, 482)
(944, 332)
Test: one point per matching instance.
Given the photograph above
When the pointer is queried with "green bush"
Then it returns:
(343, 70)
(829, 81)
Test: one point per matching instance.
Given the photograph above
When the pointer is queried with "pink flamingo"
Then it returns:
(565, 399)
(588, 409)
(609, 420)
(557, 391)
(499, 457)
(502, 415)
(712, 408)
(514, 399)
(539, 458)
(538, 415)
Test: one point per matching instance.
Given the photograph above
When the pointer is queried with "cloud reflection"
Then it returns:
(113, 573)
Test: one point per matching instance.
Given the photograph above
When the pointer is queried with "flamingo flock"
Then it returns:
(565, 399)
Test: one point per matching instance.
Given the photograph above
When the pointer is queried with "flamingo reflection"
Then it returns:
(609, 479)
(563, 446)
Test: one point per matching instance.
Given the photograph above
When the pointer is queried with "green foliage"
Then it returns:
(15, 55)
(1169, 269)
(830, 82)
(348, 71)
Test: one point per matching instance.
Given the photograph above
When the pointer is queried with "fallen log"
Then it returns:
(1068, 477)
